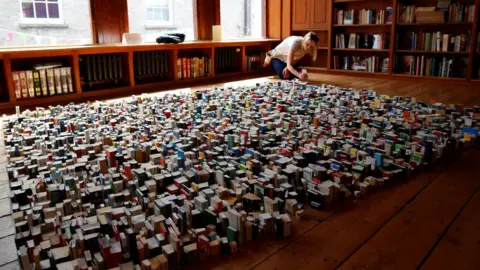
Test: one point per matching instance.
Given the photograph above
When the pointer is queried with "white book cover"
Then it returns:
(43, 82)
(446, 39)
(69, 79)
(30, 85)
(377, 39)
(16, 85)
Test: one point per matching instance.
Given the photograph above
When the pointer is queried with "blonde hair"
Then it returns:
(313, 50)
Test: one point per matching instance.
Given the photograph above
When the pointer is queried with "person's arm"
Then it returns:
(290, 67)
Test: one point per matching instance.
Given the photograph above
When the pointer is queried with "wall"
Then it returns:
(75, 30)
(182, 19)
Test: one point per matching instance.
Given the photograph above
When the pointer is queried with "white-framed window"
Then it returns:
(41, 11)
(159, 12)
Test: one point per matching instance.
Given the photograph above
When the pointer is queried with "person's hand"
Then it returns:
(286, 73)
(303, 76)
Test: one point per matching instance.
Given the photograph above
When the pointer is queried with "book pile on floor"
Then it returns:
(160, 182)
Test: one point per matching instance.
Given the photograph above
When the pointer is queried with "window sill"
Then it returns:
(153, 26)
(43, 25)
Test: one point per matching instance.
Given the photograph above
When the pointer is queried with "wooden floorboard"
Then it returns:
(460, 247)
(440, 91)
(408, 238)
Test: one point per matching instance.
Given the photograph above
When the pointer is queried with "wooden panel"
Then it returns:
(207, 14)
(320, 12)
(110, 20)
(286, 18)
(76, 73)
(274, 18)
(7, 68)
(301, 15)
(129, 69)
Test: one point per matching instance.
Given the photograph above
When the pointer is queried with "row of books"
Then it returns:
(358, 63)
(363, 16)
(432, 66)
(461, 13)
(363, 41)
(438, 41)
(431, 14)
(255, 61)
(42, 82)
(226, 59)
(194, 67)
(101, 67)
(147, 64)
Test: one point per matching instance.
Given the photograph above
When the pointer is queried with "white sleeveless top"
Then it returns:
(293, 42)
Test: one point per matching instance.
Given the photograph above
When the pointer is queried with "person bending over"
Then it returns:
(284, 57)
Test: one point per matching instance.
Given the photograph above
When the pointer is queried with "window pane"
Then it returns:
(150, 14)
(40, 10)
(29, 23)
(28, 10)
(169, 16)
(53, 11)
(165, 15)
(241, 18)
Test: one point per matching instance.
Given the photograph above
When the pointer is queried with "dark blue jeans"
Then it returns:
(278, 66)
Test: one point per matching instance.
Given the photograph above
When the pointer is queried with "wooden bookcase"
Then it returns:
(465, 67)
(138, 68)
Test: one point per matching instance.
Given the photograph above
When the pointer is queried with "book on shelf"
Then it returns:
(42, 81)
(439, 41)
(429, 15)
(226, 59)
(16, 84)
(51, 81)
(461, 13)
(453, 13)
(147, 65)
(432, 66)
(58, 80)
(255, 61)
(363, 41)
(30, 84)
(361, 64)
(443, 5)
(108, 68)
(478, 43)
(188, 68)
(363, 16)
(36, 83)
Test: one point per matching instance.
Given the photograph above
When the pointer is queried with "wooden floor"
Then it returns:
(431, 221)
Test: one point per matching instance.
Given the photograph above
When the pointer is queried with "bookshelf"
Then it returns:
(360, 37)
(254, 58)
(106, 71)
(458, 21)
(229, 60)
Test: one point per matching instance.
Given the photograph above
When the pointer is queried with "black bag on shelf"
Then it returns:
(173, 38)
